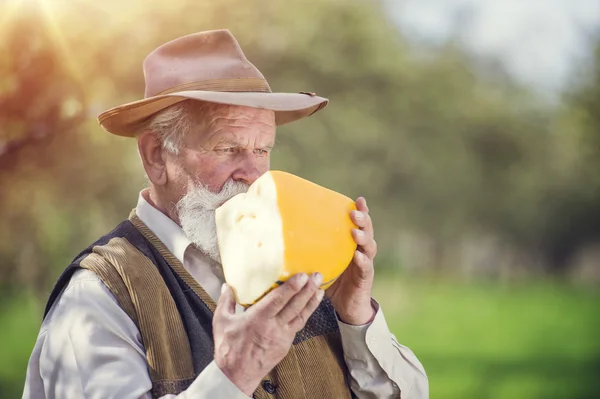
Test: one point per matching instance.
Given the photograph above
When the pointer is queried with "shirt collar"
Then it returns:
(163, 227)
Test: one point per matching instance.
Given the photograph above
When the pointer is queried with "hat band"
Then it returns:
(229, 84)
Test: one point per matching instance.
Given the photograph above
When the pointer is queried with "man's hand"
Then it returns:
(351, 293)
(249, 345)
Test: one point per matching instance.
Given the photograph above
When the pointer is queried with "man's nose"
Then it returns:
(248, 170)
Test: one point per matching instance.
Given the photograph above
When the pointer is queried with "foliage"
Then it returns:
(450, 154)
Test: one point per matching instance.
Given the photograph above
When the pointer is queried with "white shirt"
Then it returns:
(88, 347)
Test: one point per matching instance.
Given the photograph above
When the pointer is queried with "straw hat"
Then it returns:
(207, 66)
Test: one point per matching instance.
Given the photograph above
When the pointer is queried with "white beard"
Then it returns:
(196, 212)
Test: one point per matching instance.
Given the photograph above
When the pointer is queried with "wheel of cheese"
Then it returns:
(283, 225)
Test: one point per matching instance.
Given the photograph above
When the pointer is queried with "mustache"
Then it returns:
(199, 195)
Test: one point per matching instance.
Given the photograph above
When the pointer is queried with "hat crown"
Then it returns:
(210, 67)
(210, 60)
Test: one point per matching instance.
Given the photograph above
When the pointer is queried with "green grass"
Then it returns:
(492, 341)
(482, 341)
(20, 318)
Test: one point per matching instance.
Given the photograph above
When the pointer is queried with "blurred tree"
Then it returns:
(573, 210)
(47, 164)
(455, 159)
(40, 104)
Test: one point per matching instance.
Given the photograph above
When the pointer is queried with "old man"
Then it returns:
(144, 312)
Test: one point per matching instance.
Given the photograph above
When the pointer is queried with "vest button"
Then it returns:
(269, 387)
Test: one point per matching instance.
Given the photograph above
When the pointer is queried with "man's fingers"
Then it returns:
(364, 264)
(364, 235)
(361, 237)
(226, 303)
(298, 302)
(361, 204)
(366, 243)
(274, 301)
(362, 219)
(300, 320)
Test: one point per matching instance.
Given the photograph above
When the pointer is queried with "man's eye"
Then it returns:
(261, 151)
(226, 150)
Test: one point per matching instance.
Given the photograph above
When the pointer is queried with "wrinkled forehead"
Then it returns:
(241, 125)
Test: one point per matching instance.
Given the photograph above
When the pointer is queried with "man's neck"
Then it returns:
(153, 199)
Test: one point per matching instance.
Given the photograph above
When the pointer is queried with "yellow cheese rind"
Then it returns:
(282, 226)
(317, 227)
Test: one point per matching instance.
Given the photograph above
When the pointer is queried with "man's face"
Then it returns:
(235, 143)
(229, 153)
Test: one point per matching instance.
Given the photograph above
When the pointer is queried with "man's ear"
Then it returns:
(152, 155)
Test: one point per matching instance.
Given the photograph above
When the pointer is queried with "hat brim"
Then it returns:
(125, 120)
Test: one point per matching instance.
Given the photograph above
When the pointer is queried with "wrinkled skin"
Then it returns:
(234, 143)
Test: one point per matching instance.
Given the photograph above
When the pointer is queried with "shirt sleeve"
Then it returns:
(379, 366)
(92, 349)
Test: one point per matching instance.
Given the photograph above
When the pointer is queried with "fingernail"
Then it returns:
(302, 279)
(358, 215)
(318, 279)
(223, 288)
(359, 233)
(320, 294)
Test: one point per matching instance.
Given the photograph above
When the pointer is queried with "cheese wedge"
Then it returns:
(283, 225)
